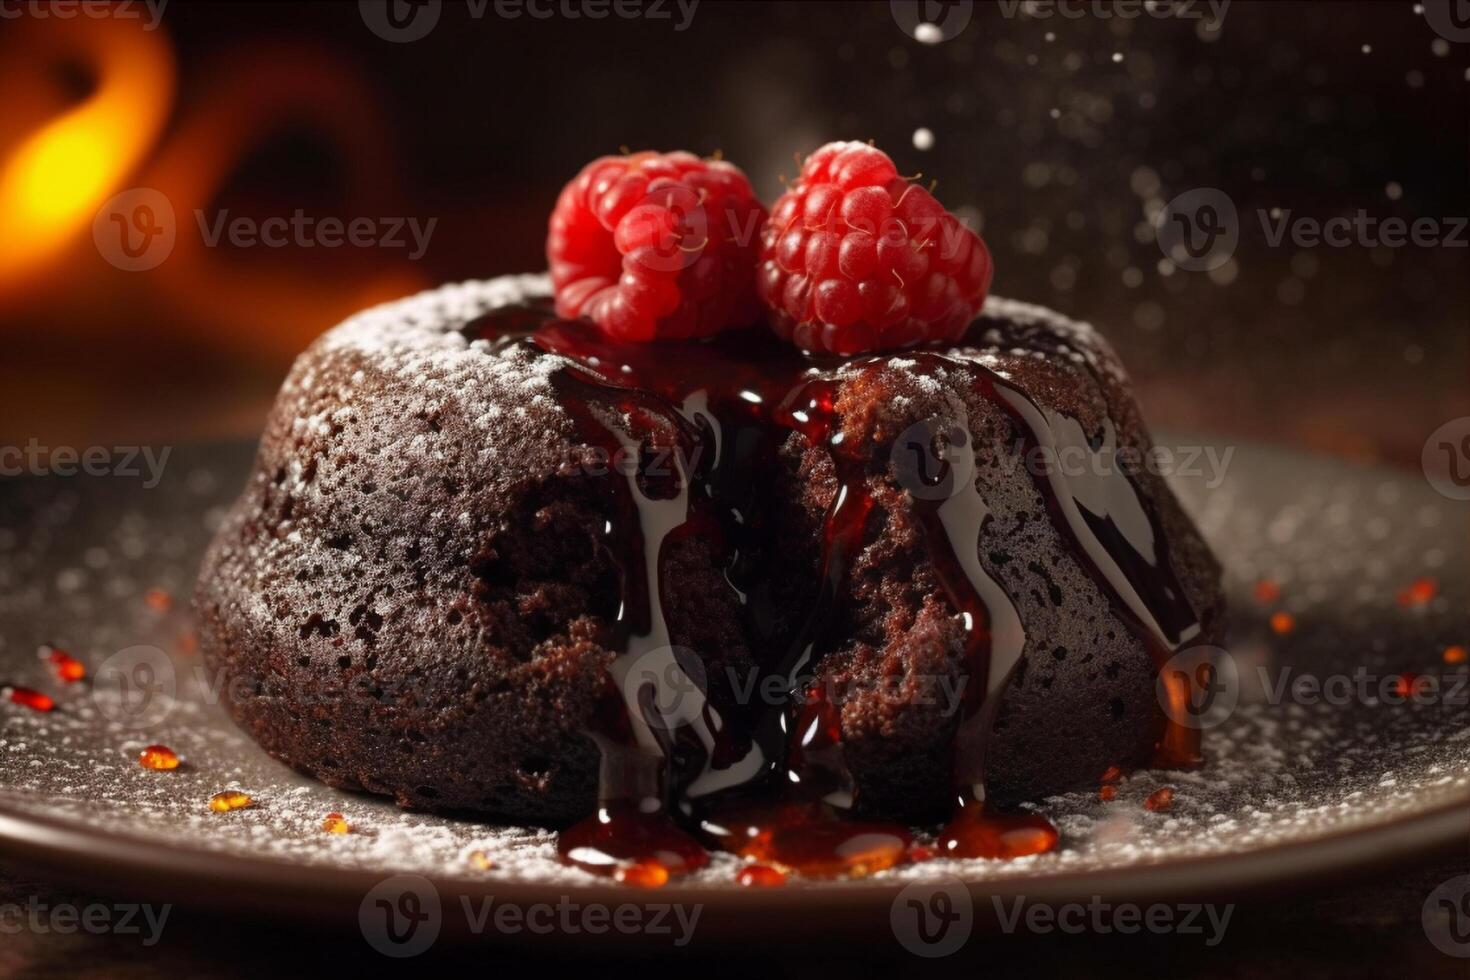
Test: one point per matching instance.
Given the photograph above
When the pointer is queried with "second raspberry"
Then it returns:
(856, 258)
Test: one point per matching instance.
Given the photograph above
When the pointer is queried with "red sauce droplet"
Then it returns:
(158, 600)
(642, 874)
(1406, 685)
(920, 853)
(623, 842)
(1160, 800)
(66, 667)
(1283, 623)
(761, 876)
(35, 700)
(1454, 655)
(1268, 593)
(812, 839)
(1418, 593)
(158, 757)
(230, 799)
(1107, 794)
(978, 832)
(1112, 774)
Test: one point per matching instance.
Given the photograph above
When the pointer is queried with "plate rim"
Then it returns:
(148, 865)
(214, 880)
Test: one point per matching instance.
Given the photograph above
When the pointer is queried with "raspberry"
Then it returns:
(656, 245)
(855, 258)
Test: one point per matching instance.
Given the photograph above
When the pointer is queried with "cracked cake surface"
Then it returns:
(418, 593)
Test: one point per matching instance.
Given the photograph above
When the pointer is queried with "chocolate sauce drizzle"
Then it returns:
(773, 785)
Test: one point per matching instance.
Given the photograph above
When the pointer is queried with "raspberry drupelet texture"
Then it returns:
(656, 246)
(856, 258)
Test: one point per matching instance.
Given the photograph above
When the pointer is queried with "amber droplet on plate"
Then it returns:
(760, 876)
(630, 845)
(1406, 685)
(230, 799)
(159, 757)
(66, 667)
(643, 874)
(1418, 593)
(811, 839)
(335, 823)
(480, 861)
(978, 832)
(1160, 799)
(1282, 623)
(27, 698)
(1454, 655)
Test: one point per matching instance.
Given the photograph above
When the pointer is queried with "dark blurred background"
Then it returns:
(1061, 130)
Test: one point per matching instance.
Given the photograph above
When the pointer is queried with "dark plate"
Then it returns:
(1299, 787)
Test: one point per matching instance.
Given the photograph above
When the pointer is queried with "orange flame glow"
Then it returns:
(61, 161)
(56, 178)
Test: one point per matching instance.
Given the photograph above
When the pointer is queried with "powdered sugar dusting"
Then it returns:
(76, 560)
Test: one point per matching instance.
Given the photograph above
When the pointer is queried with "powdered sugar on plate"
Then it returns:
(83, 563)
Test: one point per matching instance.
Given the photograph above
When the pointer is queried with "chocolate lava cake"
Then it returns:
(469, 517)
